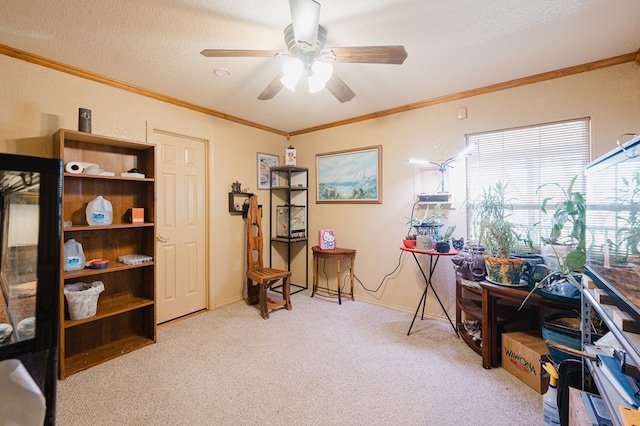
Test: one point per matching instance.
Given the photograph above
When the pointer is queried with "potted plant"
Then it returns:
(489, 215)
(570, 212)
(565, 255)
(427, 224)
(443, 246)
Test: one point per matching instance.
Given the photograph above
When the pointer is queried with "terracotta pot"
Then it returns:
(508, 272)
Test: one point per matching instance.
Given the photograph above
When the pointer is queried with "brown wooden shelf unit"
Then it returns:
(125, 318)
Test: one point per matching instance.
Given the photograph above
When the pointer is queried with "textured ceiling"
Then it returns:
(452, 46)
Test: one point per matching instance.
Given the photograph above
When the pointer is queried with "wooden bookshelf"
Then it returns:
(125, 319)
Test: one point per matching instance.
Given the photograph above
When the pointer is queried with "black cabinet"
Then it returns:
(30, 212)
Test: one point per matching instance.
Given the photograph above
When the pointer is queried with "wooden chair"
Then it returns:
(259, 278)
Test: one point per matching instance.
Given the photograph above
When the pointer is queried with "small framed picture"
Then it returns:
(290, 156)
(264, 164)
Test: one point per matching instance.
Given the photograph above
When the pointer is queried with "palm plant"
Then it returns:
(501, 238)
(489, 219)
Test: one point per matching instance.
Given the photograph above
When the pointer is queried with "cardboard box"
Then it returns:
(137, 215)
(521, 354)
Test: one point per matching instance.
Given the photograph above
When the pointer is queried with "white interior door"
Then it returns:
(181, 225)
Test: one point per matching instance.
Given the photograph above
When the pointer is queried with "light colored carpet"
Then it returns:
(318, 364)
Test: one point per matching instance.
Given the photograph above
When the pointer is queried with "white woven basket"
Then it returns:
(82, 299)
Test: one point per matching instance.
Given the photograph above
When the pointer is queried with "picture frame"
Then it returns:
(350, 176)
(264, 162)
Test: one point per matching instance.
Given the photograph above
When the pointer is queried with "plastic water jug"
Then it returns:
(99, 212)
(22, 401)
(73, 255)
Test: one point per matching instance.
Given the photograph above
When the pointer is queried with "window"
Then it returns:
(525, 158)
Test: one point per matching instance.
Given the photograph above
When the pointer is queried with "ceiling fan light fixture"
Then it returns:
(323, 70)
(292, 69)
(315, 84)
(305, 41)
(320, 73)
(290, 82)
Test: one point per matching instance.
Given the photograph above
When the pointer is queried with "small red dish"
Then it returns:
(409, 243)
(98, 264)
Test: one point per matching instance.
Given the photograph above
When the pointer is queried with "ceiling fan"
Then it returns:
(306, 53)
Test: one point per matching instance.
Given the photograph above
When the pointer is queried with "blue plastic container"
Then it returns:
(561, 334)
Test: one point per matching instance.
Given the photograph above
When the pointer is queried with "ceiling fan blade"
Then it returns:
(305, 17)
(339, 89)
(272, 88)
(233, 53)
(367, 54)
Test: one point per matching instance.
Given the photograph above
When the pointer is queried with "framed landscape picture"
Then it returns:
(350, 176)
(264, 162)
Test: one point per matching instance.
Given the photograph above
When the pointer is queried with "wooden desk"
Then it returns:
(490, 320)
(427, 279)
(336, 254)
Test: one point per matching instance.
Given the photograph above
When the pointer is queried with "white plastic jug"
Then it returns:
(99, 212)
(73, 255)
(22, 401)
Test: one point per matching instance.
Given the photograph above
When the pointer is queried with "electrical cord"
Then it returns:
(344, 281)
(383, 278)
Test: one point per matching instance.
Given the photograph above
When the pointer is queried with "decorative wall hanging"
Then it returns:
(264, 163)
(350, 176)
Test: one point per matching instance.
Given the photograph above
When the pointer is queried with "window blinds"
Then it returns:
(525, 158)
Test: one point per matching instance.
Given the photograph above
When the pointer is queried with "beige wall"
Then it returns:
(37, 101)
(611, 97)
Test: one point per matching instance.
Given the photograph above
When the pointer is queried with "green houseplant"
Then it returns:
(443, 246)
(489, 216)
(564, 262)
(428, 223)
(568, 249)
(562, 250)
(564, 271)
(627, 207)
